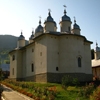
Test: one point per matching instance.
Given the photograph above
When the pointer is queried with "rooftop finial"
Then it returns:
(21, 32)
(32, 31)
(74, 20)
(96, 44)
(65, 9)
(49, 12)
(40, 20)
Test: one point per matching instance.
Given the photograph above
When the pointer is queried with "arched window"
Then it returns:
(57, 69)
(69, 28)
(79, 62)
(13, 57)
(32, 67)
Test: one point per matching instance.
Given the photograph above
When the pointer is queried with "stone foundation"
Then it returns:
(56, 77)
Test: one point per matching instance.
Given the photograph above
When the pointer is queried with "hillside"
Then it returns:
(7, 43)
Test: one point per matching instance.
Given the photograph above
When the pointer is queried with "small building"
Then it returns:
(96, 62)
(50, 55)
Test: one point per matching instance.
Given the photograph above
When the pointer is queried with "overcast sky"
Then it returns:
(17, 15)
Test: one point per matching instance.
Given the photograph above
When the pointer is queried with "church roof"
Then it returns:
(32, 36)
(95, 62)
(39, 28)
(65, 17)
(49, 19)
(75, 26)
(21, 37)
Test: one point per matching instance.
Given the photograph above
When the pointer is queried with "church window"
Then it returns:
(66, 37)
(13, 71)
(57, 69)
(79, 62)
(69, 28)
(32, 67)
(13, 57)
(40, 53)
(32, 50)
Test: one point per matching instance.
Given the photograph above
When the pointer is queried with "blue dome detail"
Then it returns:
(75, 26)
(32, 36)
(39, 28)
(50, 19)
(21, 37)
(65, 17)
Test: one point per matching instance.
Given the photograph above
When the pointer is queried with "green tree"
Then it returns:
(1, 74)
(92, 54)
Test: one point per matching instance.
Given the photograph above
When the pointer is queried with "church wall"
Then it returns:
(72, 48)
(76, 31)
(24, 63)
(20, 43)
(40, 55)
(19, 64)
(13, 65)
(49, 27)
(52, 53)
(97, 55)
(87, 60)
(64, 26)
(29, 60)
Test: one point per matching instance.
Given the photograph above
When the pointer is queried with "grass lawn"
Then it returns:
(46, 91)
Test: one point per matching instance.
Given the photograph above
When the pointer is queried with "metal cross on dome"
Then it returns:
(40, 17)
(49, 10)
(74, 19)
(65, 6)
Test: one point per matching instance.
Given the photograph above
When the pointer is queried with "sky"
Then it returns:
(23, 15)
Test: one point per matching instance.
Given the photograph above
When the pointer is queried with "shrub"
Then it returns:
(85, 91)
(68, 81)
(96, 94)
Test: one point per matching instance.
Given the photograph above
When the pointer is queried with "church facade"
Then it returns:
(50, 55)
(96, 63)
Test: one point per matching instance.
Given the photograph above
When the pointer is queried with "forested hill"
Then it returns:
(8, 42)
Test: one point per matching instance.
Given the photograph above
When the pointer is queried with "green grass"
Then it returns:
(70, 93)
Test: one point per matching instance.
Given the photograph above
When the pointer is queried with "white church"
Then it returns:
(50, 55)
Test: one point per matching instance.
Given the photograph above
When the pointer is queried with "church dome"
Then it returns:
(75, 26)
(21, 37)
(32, 36)
(50, 19)
(65, 17)
(39, 28)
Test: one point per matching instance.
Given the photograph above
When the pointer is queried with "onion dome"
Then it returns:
(65, 17)
(49, 18)
(32, 36)
(39, 28)
(97, 48)
(21, 37)
(75, 26)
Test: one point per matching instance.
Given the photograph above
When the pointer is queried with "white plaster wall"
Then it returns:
(40, 60)
(52, 53)
(20, 43)
(76, 31)
(70, 48)
(24, 63)
(64, 26)
(87, 60)
(29, 60)
(49, 26)
(13, 64)
(19, 64)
